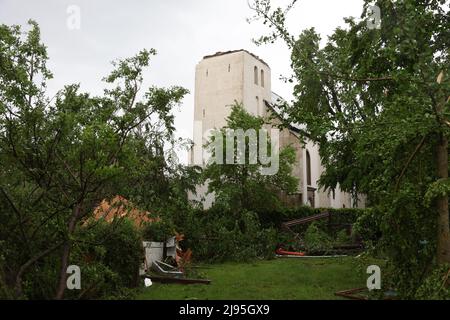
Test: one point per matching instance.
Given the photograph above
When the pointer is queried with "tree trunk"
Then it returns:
(66, 253)
(63, 272)
(25, 266)
(443, 243)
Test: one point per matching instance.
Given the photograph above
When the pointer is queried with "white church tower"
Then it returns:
(226, 77)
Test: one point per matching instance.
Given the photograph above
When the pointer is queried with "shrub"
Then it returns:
(436, 286)
(316, 240)
(109, 256)
(343, 238)
(218, 237)
(158, 231)
(367, 227)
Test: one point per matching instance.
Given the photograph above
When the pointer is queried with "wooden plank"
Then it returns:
(352, 294)
(305, 220)
(179, 280)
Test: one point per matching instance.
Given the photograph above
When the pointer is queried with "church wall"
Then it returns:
(218, 83)
(251, 90)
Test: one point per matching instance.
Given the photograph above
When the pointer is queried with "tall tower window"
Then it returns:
(255, 74)
(206, 72)
(229, 68)
(308, 168)
(203, 113)
(257, 106)
(262, 78)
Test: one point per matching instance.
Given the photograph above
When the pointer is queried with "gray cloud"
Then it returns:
(181, 31)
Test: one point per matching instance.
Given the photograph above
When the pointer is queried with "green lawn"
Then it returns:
(310, 278)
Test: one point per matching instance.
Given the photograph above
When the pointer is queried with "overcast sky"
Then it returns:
(182, 32)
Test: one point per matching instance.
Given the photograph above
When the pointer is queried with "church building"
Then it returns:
(226, 77)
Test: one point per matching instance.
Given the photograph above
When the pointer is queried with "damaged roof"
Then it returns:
(274, 106)
(221, 53)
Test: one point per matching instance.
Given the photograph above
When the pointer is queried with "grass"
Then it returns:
(280, 279)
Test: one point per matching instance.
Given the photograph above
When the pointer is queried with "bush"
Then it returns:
(342, 238)
(158, 231)
(316, 240)
(109, 256)
(436, 286)
(218, 237)
(367, 227)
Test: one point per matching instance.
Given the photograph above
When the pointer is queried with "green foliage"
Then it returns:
(158, 231)
(217, 236)
(371, 99)
(342, 238)
(338, 216)
(408, 240)
(243, 185)
(439, 188)
(109, 256)
(5, 292)
(368, 227)
(316, 240)
(436, 286)
(60, 157)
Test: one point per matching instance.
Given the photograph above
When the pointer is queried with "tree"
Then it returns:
(241, 185)
(376, 101)
(61, 157)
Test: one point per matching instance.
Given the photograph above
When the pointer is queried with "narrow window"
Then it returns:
(334, 194)
(229, 68)
(262, 78)
(257, 106)
(203, 113)
(206, 72)
(308, 168)
(255, 71)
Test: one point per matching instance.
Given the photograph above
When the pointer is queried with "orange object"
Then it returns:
(282, 252)
(120, 207)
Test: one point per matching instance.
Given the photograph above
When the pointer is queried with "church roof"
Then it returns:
(221, 53)
(274, 106)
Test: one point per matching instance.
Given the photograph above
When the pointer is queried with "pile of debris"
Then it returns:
(325, 215)
(163, 261)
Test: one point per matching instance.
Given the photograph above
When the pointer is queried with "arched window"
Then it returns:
(308, 168)
(262, 78)
(255, 73)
